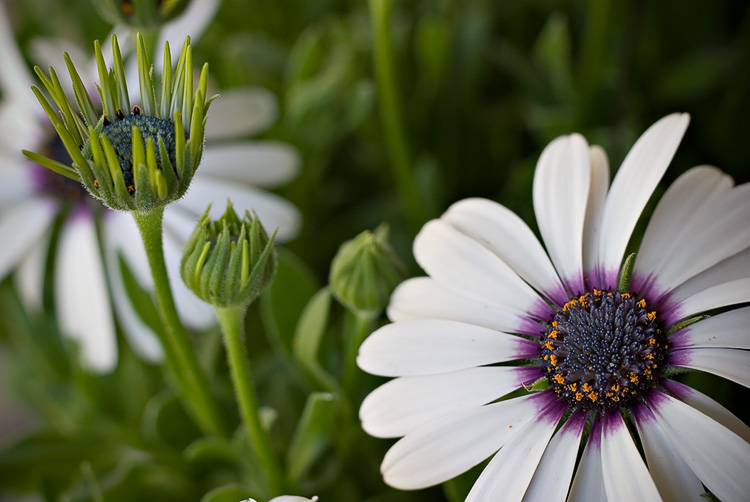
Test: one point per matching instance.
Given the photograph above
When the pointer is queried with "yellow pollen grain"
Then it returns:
(652, 341)
(625, 295)
(579, 396)
(548, 345)
(651, 316)
(554, 324)
(553, 334)
(649, 356)
(633, 378)
(553, 360)
(642, 303)
(559, 379)
(593, 396)
(586, 387)
(616, 387)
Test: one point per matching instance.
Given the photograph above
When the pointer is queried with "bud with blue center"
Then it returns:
(140, 13)
(135, 158)
(365, 271)
(229, 262)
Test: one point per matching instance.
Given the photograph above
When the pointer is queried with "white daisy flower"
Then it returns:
(31, 197)
(601, 350)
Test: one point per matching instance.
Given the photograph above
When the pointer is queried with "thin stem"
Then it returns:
(390, 110)
(361, 327)
(181, 358)
(232, 320)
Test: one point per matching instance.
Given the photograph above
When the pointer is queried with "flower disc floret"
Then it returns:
(603, 350)
(134, 158)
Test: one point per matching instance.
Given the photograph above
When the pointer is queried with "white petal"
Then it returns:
(82, 299)
(49, 52)
(433, 346)
(29, 276)
(242, 112)
(425, 298)
(633, 185)
(509, 472)
(733, 268)
(15, 179)
(444, 448)
(192, 22)
(15, 79)
(122, 233)
(511, 239)
(626, 477)
(266, 164)
(22, 227)
(682, 201)
(723, 219)
(463, 265)
(588, 483)
(719, 457)
(594, 209)
(708, 406)
(673, 477)
(729, 329)
(561, 191)
(398, 407)
(722, 295)
(293, 498)
(731, 364)
(273, 211)
(552, 478)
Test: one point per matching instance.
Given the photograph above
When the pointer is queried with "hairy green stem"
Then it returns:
(181, 357)
(392, 117)
(232, 320)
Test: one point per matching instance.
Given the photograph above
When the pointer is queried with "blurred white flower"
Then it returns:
(31, 197)
(600, 350)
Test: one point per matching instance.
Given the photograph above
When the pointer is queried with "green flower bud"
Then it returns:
(230, 261)
(365, 270)
(140, 13)
(132, 159)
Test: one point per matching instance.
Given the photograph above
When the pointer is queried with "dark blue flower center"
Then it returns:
(603, 350)
(120, 135)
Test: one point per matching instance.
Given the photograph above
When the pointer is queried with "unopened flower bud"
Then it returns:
(140, 13)
(365, 271)
(230, 261)
(132, 158)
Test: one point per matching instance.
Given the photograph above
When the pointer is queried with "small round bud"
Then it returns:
(132, 158)
(140, 13)
(230, 261)
(365, 271)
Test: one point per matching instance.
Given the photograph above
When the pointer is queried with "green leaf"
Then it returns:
(165, 419)
(552, 54)
(282, 303)
(211, 451)
(313, 435)
(311, 327)
(231, 492)
(140, 298)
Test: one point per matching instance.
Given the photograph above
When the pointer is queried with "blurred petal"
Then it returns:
(509, 472)
(447, 447)
(193, 22)
(29, 276)
(21, 228)
(242, 112)
(626, 477)
(398, 407)
(266, 164)
(432, 346)
(561, 190)
(15, 79)
(273, 211)
(718, 457)
(81, 295)
(633, 185)
(511, 239)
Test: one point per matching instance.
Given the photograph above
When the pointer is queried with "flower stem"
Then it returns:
(390, 110)
(232, 320)
(360, 328)
(181, 358)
